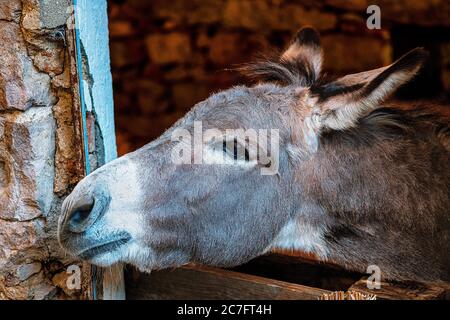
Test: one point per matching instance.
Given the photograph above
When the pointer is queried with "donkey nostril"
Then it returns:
(78, 220)
(85, 211)
(79, 216)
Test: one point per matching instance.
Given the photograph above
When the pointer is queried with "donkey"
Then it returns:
(358, 183)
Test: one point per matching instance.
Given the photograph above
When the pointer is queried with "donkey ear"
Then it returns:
(341, 103)
(305, 50)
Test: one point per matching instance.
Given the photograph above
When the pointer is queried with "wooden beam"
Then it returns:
(87, 286)
(404, 290)
(113, 283)
(198, 282)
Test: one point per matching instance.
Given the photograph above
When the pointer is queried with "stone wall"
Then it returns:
(40, 158)
(168, 55)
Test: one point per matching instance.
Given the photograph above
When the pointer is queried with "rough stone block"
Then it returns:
(121, 29)
(418, 12)
(352, 5)
(45, 14)
(227, 48)
(20, 273)
(67, 161)
(293, 17)
(21, 241)
(42, 26)
(46, 49)
(186, 95)
(151, 97)
(249, 14)
(35, 288)
(189, 12)
(60, 280)
(343, 55)
(183, 73)
(445, 64)
(27, 270)
(264, 16)
(445, 54)
(10, 10)
(169, 48)
(27, 149)
(446, 79)
(127, 53)
(21, 85)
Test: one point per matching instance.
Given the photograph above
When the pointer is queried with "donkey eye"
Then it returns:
(235, 150)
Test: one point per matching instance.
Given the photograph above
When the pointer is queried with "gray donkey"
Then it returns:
(357, 183)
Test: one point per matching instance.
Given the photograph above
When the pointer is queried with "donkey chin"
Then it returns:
(94, 225)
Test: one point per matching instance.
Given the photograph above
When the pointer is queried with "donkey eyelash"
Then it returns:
(235, 153)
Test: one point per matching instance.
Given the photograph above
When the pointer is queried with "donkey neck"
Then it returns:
(356, 179)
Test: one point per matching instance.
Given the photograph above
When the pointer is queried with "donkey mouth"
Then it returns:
(109, 246)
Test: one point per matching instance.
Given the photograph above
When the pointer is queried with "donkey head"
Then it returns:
(218, 206)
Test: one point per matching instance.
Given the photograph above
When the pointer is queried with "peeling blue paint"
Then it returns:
(92, 32)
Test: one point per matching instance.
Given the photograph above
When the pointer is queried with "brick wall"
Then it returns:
(168, 55)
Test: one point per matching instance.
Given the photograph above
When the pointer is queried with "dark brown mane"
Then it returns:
(420, 122)
(297, 72)
(281, 71)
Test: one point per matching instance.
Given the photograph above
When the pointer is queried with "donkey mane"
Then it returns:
(281, 71)
(420, 123)
(290, 67)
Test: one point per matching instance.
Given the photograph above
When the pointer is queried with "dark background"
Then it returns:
(168, 55)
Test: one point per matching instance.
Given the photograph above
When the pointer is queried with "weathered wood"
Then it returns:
(197, 282)
(79, 138)
(113, 283)
(87, 284)
(295, 253)
(404, 290)
(273, 276)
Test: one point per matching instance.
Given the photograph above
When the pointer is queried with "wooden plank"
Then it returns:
(404, 290)
(197, 282)
(296, 254)
(87, 285)
(113, 283)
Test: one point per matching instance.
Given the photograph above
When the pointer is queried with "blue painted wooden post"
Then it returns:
(93, 46)
(97, 107)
